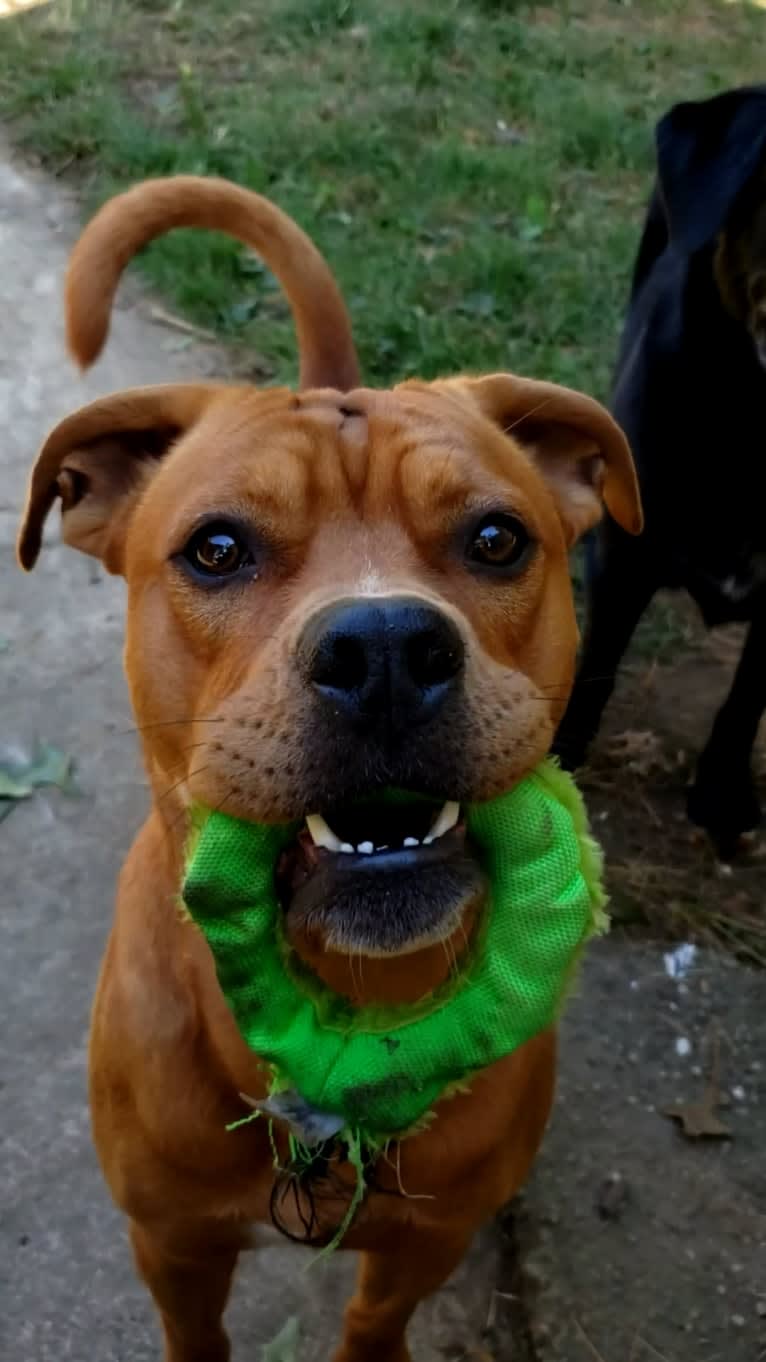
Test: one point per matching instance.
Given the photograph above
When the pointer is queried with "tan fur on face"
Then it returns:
(391, 496)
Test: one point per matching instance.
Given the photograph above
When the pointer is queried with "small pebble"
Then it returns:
(612, 1196)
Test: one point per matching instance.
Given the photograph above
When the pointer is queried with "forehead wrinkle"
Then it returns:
(294, 467)
(439, 472)
(354, 451)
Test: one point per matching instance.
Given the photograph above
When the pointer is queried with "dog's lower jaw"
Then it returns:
(369, 980)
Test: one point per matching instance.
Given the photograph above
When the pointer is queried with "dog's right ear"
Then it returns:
(707, 152)
(99, 459)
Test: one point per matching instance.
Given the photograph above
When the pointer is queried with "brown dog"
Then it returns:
(330, 592)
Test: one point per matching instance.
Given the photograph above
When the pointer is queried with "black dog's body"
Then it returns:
(690, 394)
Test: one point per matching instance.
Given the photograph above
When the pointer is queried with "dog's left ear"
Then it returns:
(707, 152)
(577, 446)
(98, 460)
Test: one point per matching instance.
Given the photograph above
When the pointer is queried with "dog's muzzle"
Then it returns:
(375, 868)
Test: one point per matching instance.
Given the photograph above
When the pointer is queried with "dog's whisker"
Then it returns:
(167, 723)
(225, 800)
(360, 957)
(183, 813)
(183, 751)
(186, 776)
(355, 983)
(170, 825)
(526, 415)
(463, 933)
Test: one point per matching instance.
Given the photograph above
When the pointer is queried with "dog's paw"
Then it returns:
(724, 802)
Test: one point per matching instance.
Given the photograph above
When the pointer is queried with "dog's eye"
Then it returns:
(499, 541)
(218, 550)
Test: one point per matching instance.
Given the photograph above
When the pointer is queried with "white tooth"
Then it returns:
(444, 821)
(321, 834)
(346, 847)
(366, 848)
(410, 842)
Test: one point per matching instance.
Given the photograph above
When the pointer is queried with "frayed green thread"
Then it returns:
(244, 1120)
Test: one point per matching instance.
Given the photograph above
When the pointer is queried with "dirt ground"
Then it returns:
(632, 1242)
(662, 871)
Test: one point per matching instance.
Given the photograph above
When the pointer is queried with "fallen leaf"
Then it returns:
(20, 778)
(49, 766)
(284, 1347)
(698, 1120)
(11, 788)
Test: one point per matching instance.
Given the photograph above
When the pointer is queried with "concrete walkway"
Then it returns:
(668, 1260)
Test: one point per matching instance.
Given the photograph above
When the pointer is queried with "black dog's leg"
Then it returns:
(723, 799)
(622, 580)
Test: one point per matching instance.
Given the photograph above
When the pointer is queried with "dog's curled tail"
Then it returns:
(128, 222)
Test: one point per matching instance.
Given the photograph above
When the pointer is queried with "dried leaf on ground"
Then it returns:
(698, 1120)
(20, 777)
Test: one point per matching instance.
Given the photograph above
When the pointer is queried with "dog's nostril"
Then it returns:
(341, 663)
(433, 657)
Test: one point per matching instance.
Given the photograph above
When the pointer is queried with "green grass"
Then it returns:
(474, 172)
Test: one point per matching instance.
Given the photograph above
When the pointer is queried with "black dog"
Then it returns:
(690, 393)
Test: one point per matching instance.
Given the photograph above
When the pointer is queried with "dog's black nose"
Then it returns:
(389, 661)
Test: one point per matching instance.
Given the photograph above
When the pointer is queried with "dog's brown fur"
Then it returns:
(355, 492)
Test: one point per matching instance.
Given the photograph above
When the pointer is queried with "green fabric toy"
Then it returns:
(369, 1075)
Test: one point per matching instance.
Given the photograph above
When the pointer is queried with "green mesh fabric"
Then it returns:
(382, 1071)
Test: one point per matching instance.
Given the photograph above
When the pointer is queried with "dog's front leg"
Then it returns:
(391, 1284)
(723, 799)
(190, 1281)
